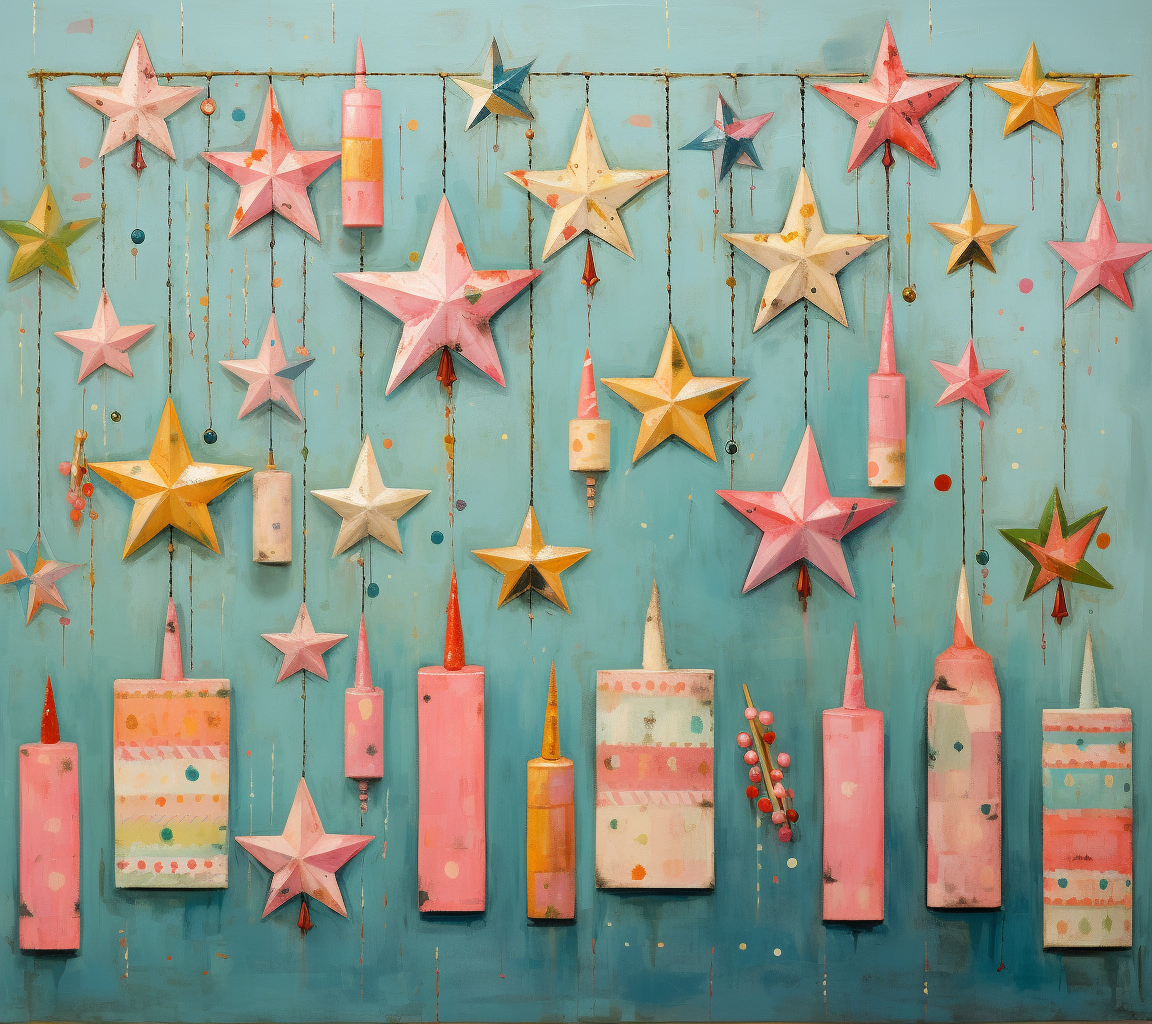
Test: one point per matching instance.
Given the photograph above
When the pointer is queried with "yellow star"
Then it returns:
(43, 240)
(972, 239)
(587, 194)
(170, 489)
(531, 564)
(1033, 97)
(673, 401)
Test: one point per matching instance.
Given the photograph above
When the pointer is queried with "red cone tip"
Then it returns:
(363, 661)
(172, 666)
(588, 409)
(589, 279)
(361, 69)
(446, 372)
(49, 723)
(1059, 605)
(854, 677)
(304, 921)
(804, 583)
(454, 634)
(887, 342)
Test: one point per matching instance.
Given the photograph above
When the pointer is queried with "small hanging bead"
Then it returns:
(749, 713)
(744, 740)
(765, 718)
(778, 818)
(785, 834)
(776, 775)
(764, 805)
(751, 791)
(755, 775)
(783, 760)
(751, 757)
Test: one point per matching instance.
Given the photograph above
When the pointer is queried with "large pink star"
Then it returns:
(966, 379)
(268, 375)
(105, 343)
(803, 521)
(444, 304)
(1100, 261)
(137, 106)
(888, 107)
(273, 176)
(303, 648)
(304, 859)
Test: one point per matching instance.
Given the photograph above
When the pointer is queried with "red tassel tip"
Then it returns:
(589, 279)
(49, 723)
(804, 584)
(304, 921)
(1059, 606)
(454, 634)
(138, 163)
(446, 372)
(888, 161)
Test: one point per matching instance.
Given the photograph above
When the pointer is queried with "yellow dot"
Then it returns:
(413, 125)
(660, 945)
(1115, 144)
(643, 526)
(776, 951)
(791, 862)
(93, 406)
(503, 437)
(1019, 430)
(315, 392)
(743, 945)
(413, 257)
(669, 536)
(1015, 465)
(1035, 351)
(1101, 431)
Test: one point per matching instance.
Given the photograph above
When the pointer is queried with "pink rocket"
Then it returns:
(887, 420)
(964, 823)
(363, 724)
(589, 437)
(361, 152)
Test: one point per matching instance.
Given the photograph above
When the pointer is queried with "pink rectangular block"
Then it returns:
(452, 856)
(49, 846)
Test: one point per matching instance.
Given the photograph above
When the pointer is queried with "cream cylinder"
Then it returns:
(588, 445)
(272, 516)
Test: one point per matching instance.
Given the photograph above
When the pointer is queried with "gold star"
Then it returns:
(531, 564)
(1033, 97)
(673, 401)
(170, 489)
(43, 240)
(972, 239)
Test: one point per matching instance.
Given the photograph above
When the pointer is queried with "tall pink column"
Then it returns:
(452, 857)
(49, 838)
(853, 803)
(363, 724)
(361, 152)
(963, 772)
(887, 417)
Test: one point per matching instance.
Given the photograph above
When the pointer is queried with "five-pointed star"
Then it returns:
(802, 261)
(37, 571)
(972, 239)
(170, 488)
(444, 304)
(268, 375)
(889, 106)
(729, 140)
(803, 521)
(531, 564)
(43, 239)
(1100, 261)
(366, 506)
(105, 343)
(273, 175)
(587, 194)
(966, 379)
(137, 106)
(303, 648)
(1056, 547)
(1033, 97)
(672, 401)
(304, 859)
(497, 91)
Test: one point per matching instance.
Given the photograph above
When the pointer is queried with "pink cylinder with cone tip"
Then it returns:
(964, 826)
(49, 838)
(887, 416)
(853, 803)
(452, 859)
(589, 437)
(361, 152)
(363, 724)
(272, 516)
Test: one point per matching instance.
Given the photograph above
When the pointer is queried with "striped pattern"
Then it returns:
(1087, 784)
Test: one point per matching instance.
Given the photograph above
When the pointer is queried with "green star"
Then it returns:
(43, 240)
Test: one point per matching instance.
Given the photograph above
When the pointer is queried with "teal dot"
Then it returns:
(191, 774)
(373, 589)
(238, 114)
(1127, 787)
(1103, 883)
(696, 725)
(982, 557)
(1062, 882)
(985, 808)
(437, 537)
(166, 834)
(958, 746)
(613, 823)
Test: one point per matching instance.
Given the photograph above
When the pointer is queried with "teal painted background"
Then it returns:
(756, 948)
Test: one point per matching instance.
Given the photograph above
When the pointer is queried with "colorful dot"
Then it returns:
(437, 537)
(191, 774)
(137, 236)
(238, 114)
(943, 482)
(413, 125)
(1015, 465)
(386, 443)
(166, 834)
(982, 556)
(1103, 541)
(1025, 286)
(776, 951)
(373, 589)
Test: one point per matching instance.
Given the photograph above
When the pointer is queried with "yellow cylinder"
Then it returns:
(272, 517)
(589, 445)
(551, 854)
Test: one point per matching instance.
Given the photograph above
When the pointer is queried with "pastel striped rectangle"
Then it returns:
(624, 767)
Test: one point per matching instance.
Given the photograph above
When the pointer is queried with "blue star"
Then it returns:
(497, 91)
(729, 140)
(37, 572)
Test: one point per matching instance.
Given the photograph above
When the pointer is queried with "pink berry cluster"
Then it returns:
(757, 747)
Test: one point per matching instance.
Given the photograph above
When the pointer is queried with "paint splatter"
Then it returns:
(84, 25)
(1025, 287)
(1103, 541)
(943, 482)
(79, 197)
(85, 161)
(640, 121)
(238, 115)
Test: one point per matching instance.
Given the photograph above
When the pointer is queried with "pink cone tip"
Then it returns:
(588, 408)
(172, 665)
(363, 660)
(361, 68)
(854, 677)
(887, 342)
(962, 629)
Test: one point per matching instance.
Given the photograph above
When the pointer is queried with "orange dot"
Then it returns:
(413, 125)
(638, 873)
(180, 798)
(203, 300)
(275, 282)
(215, 798)
(943, 482)
(387, 442)
(1103, 541)
(873, 469)
(160, 801)
(987, 599)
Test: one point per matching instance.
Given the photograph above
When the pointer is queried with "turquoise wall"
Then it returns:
(756, 947)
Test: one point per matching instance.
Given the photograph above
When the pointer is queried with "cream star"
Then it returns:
(367, 507)
(672, 401)
(303, 648)
(1033, 97)
(802, 260)
(972, 239)
(105, 343)
(587, 194)
(137, 106)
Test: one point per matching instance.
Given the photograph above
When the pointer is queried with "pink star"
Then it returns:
(303, 648)
(444, 304)
(273, 176)
(268, 375)
(888, 107)
(105, 343)
(304, 859)
(966, 379)
(137, 106)
(1059, 556)
(40, 573)
(1100, 261)
(803, 521)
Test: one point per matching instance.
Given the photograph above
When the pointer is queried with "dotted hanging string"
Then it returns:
(803, 163)
(209, 434)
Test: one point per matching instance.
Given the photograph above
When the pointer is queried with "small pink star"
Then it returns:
(105, 343)
(888, 107)
(304, 859)
(303, 648)
(273, 176)
(966, 379)
(268, 375)
(40, 573)
(1100, 261)
(803, 521)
